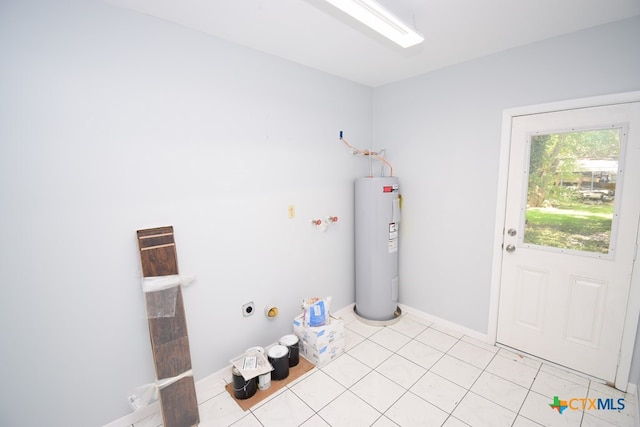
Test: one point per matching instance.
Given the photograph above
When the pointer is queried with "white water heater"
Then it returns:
(377, 219)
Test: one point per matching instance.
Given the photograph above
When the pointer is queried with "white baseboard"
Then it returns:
(430, 318)
(130, 419)
(344, 310)
(208, 387)
(447, 324)
(205, 390)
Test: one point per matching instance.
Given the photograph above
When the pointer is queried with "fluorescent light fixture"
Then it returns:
(378, 18)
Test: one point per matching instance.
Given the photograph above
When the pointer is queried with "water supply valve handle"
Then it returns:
(332, 218)
(316, 221)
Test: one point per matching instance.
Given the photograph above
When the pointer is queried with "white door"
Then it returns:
(573, 201)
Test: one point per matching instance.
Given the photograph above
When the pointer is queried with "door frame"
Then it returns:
(633, 304)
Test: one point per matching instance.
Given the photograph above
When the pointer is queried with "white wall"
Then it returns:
(443, 130)
(111, 122)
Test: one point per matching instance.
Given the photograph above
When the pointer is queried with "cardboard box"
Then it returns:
(324, 354)
(318, 336)
(320, 344)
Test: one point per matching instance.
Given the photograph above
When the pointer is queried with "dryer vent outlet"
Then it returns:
(248, 309)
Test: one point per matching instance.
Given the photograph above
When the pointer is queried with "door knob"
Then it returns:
(511, 232)
(510, 248)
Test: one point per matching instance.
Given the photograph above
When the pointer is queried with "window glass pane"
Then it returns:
(571, 190)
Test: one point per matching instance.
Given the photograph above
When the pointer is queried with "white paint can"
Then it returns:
(264, 380)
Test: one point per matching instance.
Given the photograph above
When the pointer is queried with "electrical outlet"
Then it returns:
(291, 210)
(248, 309)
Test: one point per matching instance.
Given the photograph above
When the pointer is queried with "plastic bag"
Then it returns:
(143, 396)
(316, 311)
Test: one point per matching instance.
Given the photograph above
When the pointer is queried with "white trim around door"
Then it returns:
(633, 307)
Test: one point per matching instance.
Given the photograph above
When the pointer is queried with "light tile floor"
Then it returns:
(414, 373)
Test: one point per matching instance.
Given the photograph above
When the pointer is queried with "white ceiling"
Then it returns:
(314, 33)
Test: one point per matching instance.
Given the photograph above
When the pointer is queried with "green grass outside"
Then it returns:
(581, 227)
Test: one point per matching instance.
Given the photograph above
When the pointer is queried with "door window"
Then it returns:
(571, 190)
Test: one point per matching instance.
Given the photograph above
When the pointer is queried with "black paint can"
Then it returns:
(243, 389)
(278, 356)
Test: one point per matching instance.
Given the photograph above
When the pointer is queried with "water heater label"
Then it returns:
(393, 237)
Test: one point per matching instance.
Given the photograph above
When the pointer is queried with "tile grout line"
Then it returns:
(413, 339)
(527, 395)
(590, 386)
(450, 415)
(374, 369)
(408, 390)
(471, 386)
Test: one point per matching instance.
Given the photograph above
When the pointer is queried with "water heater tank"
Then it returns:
(377, 218)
